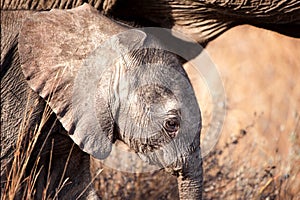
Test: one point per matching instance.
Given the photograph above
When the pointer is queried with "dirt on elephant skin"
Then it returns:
(258, 153)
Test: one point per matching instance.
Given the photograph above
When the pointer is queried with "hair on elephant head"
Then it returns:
(106, 82)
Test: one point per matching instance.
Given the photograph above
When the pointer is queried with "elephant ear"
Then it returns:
(59, 51)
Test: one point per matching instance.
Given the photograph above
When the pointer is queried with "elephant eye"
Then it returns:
(171, 125)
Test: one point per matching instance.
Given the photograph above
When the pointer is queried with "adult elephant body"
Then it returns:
(76, 77)
(204, 19)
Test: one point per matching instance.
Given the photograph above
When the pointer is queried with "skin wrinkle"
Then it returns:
(10, 90)
(188, 182)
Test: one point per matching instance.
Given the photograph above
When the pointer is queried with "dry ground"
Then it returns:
(258, 153)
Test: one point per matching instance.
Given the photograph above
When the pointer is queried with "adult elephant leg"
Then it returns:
(191, 177)
(65, 168)
(17, 99)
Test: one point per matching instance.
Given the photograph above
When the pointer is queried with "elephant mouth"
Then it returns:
(173, 157)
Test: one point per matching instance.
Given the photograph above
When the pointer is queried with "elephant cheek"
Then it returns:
(190, 178)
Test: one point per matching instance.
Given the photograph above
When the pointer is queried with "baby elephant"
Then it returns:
(104, 82)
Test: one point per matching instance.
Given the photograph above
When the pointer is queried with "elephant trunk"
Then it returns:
(190, 179)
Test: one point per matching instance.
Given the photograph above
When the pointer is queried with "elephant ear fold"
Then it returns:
(53, 47)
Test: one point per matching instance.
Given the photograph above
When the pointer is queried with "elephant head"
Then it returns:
(106, 83)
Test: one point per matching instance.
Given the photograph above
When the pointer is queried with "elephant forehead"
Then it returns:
(155, 100)
(154, 93)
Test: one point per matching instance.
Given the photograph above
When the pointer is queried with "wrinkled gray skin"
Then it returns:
(204, 19)
(33, 59)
